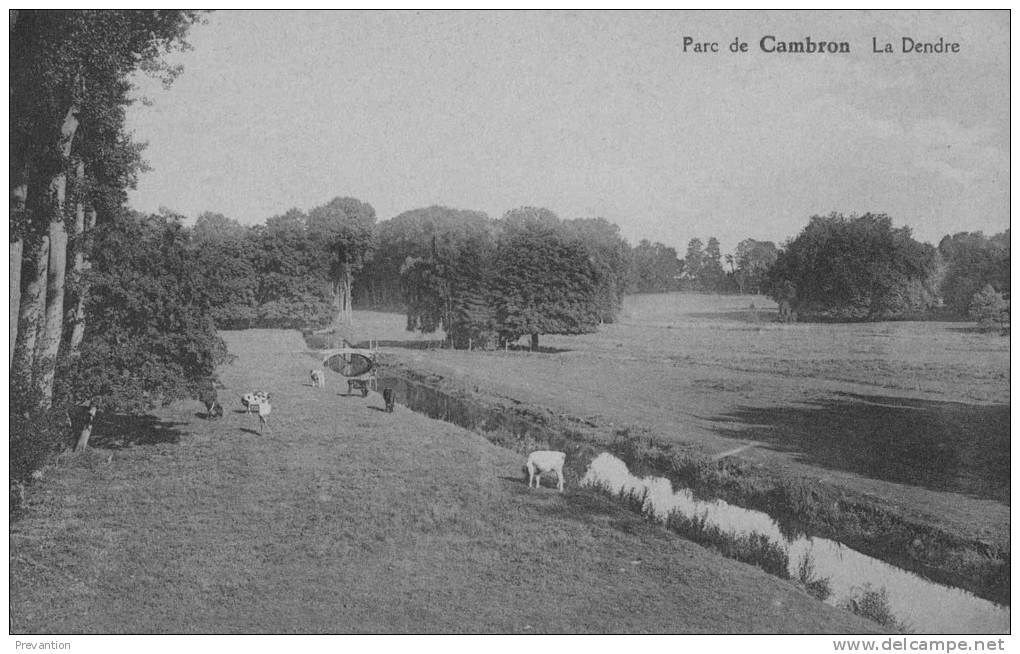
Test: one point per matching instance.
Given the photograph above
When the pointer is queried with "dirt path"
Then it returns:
(347, 519)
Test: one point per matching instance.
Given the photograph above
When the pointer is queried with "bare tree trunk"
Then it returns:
(337, 302)
(53, 327)
(86, 430)
(15, 296)
(33, 304)
(348, 284)
(84, 222)
(342, 289)
(19, 196)
(49, 339)
(534, 342)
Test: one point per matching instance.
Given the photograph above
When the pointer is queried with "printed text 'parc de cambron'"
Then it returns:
(772, 44)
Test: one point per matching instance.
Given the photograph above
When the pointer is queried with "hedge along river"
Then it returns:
(920, 605)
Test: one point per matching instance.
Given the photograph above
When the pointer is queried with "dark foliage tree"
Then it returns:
(703, 267)
(753, 260)
(544, 282)
(149, 334)
(712, 277)
(449, 286)
(472, 316)
(410, 234)
(856, 268)
(973, 261)
(694, 261)
(216, 228)
(224, 255)
(342, 230)
(292, 288)
(989, 309)
(610, 254)
(426, 294)
(654, 268)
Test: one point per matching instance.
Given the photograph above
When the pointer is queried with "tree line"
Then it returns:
(479, 280)
(485, 281)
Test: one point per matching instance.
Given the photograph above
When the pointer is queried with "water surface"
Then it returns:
(921, 605)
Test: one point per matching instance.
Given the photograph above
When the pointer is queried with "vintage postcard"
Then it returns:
(579, 322)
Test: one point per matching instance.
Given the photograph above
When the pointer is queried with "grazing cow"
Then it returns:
(387, 396)
(209, 398)
(250, 401)
(213, 409)
(542, 461)
(264, 409)
(318, 377)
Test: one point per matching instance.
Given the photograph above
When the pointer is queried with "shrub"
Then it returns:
(990, 309)
(35, 437)
(818, 588)
(873, 605)
(149, 334)
(634, 499)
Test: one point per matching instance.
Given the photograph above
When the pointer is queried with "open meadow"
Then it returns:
(914, 414)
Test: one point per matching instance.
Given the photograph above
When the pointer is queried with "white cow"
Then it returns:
(250, 401)
(542, 461)
(318, 377)
(265, 408)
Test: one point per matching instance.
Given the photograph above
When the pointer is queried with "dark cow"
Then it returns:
(209, 398)
(387, 395)
(213, 409)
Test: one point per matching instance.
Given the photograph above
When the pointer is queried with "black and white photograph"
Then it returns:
(489, 324)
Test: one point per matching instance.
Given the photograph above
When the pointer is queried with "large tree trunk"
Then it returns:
(19, 196)
(342, 290)
(85, 422)
(347, 287)
(337, 303)
(33, 305)
(84, 222)
(53, 327)
(15, 296)
(534, 342)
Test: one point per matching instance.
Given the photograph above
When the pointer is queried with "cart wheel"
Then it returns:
(364, 391)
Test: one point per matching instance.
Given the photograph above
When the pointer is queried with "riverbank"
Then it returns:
(801, 503)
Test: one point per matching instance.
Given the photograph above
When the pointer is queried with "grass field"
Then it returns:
(347, 519)
(913, 414)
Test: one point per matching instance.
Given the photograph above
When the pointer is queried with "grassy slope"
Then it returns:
(348, 519)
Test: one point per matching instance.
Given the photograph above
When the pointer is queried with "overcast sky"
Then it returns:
(588, 114)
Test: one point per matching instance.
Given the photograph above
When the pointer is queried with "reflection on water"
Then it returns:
(923, 606)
